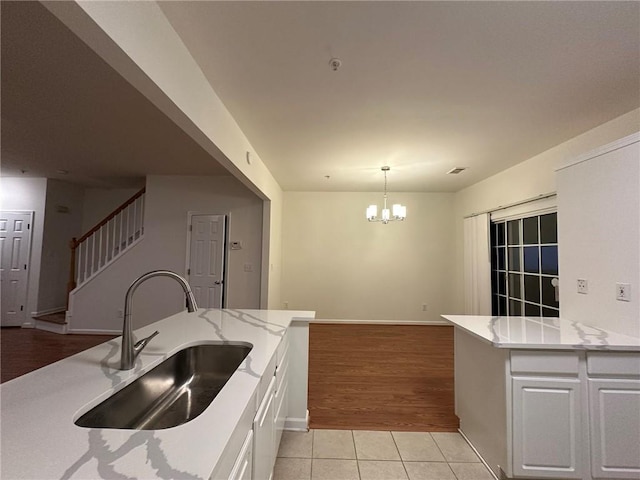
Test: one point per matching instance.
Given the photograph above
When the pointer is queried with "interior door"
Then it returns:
(206, 259)
(15, 240)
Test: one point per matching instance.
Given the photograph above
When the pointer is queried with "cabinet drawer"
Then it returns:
(544, 363)
(281, 372)
(613, 363)
(242, 468)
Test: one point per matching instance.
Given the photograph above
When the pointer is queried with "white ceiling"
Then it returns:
(423, 86)
(64, 108)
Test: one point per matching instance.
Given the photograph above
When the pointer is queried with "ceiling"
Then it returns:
(64, 108)
(423, 87)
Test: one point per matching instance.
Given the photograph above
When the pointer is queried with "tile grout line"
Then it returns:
(399, 454)
(443, 455)
(355, 452)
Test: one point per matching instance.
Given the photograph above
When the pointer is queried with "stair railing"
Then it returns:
(105, 242)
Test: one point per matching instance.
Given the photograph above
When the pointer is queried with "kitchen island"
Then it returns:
(547, 397)
(41, 441)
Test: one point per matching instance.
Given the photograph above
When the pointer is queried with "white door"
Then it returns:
(15, 240)
(206, 259)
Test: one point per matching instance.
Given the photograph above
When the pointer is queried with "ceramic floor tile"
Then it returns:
(381, 470)
(471, 471)
(296, 444)
(454, 447)
(375, 445)
(417, 447)
(292, 469)
(333, 444)
(429, 471)
(331, 469)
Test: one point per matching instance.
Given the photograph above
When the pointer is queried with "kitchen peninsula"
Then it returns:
(40, 439)
(547, 397)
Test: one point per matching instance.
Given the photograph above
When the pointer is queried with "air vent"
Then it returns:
(456, 170)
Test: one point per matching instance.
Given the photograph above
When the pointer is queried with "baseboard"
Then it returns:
(478, 454)
(297, 424)
(85, 331)
(49, 311)
(60, 328)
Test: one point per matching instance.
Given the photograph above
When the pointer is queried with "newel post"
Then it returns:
(73, 244)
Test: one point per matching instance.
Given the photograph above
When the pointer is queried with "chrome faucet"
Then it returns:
(130, 351)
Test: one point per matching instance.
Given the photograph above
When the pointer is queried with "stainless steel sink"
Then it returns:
(173, 393)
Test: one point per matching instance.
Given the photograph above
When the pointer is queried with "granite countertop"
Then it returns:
(542, 333)
(40, 440)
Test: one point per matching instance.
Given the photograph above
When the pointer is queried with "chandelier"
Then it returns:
(398, 212)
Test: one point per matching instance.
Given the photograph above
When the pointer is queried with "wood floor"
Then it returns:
(382, 377)
(23, 350)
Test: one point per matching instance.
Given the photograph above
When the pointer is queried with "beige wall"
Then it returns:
(169, 199)
(341, 266)
(528, 179)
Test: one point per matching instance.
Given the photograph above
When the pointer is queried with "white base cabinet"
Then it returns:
(242, 469)
(614, 412)
(264, 436)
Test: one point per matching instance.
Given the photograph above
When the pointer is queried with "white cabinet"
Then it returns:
(264, 435)
(547, 430)
(614, 412)
(242, 469)
(547, 405)
(281, 396)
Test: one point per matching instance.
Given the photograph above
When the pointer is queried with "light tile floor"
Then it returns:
(365, 455)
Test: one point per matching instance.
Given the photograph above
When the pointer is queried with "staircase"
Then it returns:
(106, 242)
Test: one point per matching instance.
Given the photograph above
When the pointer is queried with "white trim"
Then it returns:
(49, 311)
(598, 152)
(539, 206)
(60, 328)
(297, 424)
(90, 331)
(477, 453)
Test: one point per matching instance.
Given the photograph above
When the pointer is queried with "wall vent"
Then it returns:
(456, 170)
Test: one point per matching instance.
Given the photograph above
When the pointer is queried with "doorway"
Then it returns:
(15, 250)
(206, 256)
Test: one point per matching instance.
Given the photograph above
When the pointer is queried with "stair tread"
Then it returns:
(59, 318)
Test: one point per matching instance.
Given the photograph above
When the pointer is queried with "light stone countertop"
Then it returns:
(40, 441)
(542, 333)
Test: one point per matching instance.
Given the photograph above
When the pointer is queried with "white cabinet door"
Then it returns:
(614, 410)
(242, 469)
(547, 431)
(264, 436)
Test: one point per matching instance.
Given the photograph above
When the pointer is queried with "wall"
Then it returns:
(59, 228)
(535, 176)
(599, 217)
(137, 40)
(341, 266)
(28, 194)
(168, 200)
(100, 202)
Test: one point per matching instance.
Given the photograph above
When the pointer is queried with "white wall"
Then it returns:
(535, 176)
(599, 238)
(100, 202)
(28, 194)
(137, 40)
(342, 266)
(168, 201)
(59, 228)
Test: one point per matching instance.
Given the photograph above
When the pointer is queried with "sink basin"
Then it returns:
(172, 393)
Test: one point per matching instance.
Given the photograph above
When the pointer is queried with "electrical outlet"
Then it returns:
(424, 307)
(286, 305)
(120, 314)
(623, 292)
(583, 286)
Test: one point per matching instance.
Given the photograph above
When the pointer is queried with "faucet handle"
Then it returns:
(140, 344)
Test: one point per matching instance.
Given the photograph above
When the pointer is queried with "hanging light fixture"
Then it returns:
(397, 212)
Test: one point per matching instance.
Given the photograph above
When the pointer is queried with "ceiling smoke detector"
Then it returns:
(456, 170)
(335, 64)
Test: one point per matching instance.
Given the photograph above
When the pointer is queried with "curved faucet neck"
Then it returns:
(129, 350)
